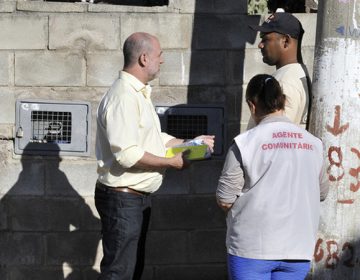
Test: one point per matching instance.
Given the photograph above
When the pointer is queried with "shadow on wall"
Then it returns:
(47, 229)
(218, 58)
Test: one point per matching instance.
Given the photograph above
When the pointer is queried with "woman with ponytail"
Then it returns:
(270, 188)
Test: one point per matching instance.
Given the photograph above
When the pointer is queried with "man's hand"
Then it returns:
(224, 206)
(208, 140)
(179, 161)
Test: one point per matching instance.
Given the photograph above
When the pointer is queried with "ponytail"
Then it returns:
(265, 93)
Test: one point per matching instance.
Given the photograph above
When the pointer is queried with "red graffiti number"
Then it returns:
(335, 163)
(332, 258)
(333, 254)
(354, 172)
(319, 252)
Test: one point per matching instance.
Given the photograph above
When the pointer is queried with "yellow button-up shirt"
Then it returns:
(127, 126)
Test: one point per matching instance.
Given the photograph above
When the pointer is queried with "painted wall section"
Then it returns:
(336, 120)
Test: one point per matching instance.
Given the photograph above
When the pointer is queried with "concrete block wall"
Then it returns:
(49, 227)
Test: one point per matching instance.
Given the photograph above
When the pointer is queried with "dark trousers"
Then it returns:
(124, 219)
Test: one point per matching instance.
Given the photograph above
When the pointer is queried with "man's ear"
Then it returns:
(143, 59)
(287, 41)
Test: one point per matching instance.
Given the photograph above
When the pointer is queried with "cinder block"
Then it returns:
(235, 62)
(173, 31)
(308, 21)
(169, 95)
(49, 69)
(92, 95)
(6, 131)
(209, 32)
(171, 252)
(47, 214)
(207, 68)
(106, 8)
(176, 68)
(208, 246)
(28, 214)
(75, 248)
(186, 212)
(184, 6)
(211, 6)
(3, 215)
(7, 106)
(229, 97)
(201, 183)
(84, 31)
(6, 147)
(21, 249)
(308, 54)
(72, 179)
(233, 129)
(254, 65)
(68, 214)
(7, 7)
(103, 68)
(57, 7)
(25, 179)
(6, 68)
(245, 111)
(207, 95)
(198, 272)
(23, 32)
(175, 182)
(233, 102)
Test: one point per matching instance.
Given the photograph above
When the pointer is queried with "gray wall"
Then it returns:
(49, 228)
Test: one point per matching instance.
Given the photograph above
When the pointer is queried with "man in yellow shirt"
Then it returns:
(130, 150)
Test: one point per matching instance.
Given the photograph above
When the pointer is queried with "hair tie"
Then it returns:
(267, 79)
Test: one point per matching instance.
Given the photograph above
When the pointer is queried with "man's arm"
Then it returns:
(231, 180)
(150, 161)
(294, 108)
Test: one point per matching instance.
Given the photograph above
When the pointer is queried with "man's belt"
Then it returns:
(102, 186)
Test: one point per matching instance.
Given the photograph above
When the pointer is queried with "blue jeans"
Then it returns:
(124, 219)
(255, 269)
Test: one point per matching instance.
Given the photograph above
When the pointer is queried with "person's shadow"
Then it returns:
(49, 230)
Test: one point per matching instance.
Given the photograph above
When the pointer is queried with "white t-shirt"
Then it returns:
(292, 80)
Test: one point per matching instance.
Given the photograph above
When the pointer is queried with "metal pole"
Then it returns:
(335, 118)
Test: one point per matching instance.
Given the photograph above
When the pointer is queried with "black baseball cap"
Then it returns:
(283, 23)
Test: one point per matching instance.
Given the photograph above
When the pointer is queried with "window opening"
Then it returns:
(51, 127)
